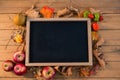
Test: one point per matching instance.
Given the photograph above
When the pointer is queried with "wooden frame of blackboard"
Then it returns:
(27, 60)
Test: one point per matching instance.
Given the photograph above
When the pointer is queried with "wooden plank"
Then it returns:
(109, 25)
(3, 78)
(89, 78)
(108, 72)
(7, 25)
(5, 36)
(6, 18)
(106, 34)
(7, 54)
(110, 29)
(115, 57)
(111, 17)
(105, 49)
(17, 6)
(111, 49)
(9, 51)
(18, 10)
(111, 37)
(112, 53)
(112, 42)
(110, 34)
(28, 4)
(108, 56)
(103, 25)
(60, 78)
(96, 3)
(81, 3)
(40, 1)
(111, 21)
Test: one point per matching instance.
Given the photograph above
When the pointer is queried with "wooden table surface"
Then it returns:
(109, 30)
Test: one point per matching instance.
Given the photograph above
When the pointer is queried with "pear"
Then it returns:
(19, 19)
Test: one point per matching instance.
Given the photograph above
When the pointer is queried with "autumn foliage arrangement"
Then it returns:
(17, 65)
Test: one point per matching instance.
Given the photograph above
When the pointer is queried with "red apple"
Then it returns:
(19, 56)
(8, 65)
(48, 72)
(20, 69)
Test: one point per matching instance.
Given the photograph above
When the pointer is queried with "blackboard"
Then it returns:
(54, 42)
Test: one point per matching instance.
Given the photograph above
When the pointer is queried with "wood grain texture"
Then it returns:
(56, 3)
(109, 30)
(17, 79)
(108, 35)
(111, 21)
(90, 78)
(110, 56)
(15, 6)
(111, 49)
(110, 71)
(18, 10)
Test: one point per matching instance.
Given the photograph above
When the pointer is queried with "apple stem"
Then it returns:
(48, 72)
(17, 68)
(6, 65)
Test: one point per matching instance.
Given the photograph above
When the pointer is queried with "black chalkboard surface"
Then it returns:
(58, 42)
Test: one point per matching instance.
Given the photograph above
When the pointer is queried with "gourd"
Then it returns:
(19, 19)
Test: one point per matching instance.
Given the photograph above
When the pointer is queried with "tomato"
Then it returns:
(91, 16)
(95, 26)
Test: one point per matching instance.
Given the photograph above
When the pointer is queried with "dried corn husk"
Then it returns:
(63, 12)
(32, 13)
(64, 70)
(84, 71)
(80, 13)
(100, 61)
(92, 10)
